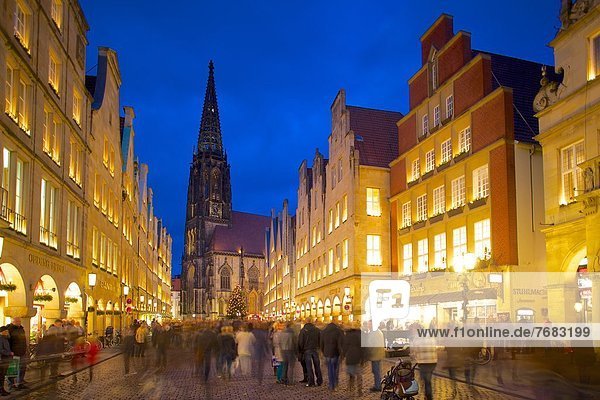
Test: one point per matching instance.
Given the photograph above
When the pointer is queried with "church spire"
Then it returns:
(209, 137)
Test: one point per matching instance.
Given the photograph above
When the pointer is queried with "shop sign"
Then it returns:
(106, 285)
(529, 292)
(46, 263)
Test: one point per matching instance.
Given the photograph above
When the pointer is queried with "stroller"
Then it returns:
(399, 382)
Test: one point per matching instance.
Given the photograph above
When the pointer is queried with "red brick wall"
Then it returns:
(407, 134)
(472, 85)
(454, 57)
(503, 205)
(438, 37)
(492, 121)
(394, 236)
(398, 177)
(417, 89)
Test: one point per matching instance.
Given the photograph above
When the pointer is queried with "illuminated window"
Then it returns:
(425, 124)
(95, 246)
(19, 223)
(314, 236)
(481, 186)
(319, 230)
(345, 250)
(18, 94)
(22, 25)
(97, 191)
(464, 140)
(407, 259)
(449, 106)
(48, 214)
(330, 261)
(429, 161)
(105, 155)
(54, 71)
(423, 255)
(416, 170)
(439, 250)
(75, 162)
(458, 192)
(459, 241)
(436, 116)
(345, 208)
(338, 211)
(482, 238)
(51, 136)
(594, 57)
(439, 200)
(73, 221)
(56, 12)
(572, 175)
(373, 204)
(422, 208)
(406, 215)
(446, 151)
(330, 221)
(373, 250)
(77, 106)
(338, 256)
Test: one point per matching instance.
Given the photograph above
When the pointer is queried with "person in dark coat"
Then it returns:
(308, 344)
(55, 346)
(205, 346)
(128, 349)
(332, 342)
(18, 345)
(262, 352)
(227, 349)
(355, 357)
(163, 339)
(6, 354)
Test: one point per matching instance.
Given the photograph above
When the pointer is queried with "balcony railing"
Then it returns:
(4, 211)
(48, 238)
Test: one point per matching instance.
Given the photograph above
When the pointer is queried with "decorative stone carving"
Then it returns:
(590, 205)
(549, 93)
(588, 176)
(572, 12)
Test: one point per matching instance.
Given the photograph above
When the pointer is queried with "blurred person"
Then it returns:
(246, 341)
(261, 351)
(289, 344)
(424, 353)
(227, 349)
(308, 344)
(5, 354)
(55, 346)
(128, 349)
(277, 351)
(18, 344)
(331, 344)
(163, 339)
(205, 345)
(375, 353)
(140, 339)
(355, 357)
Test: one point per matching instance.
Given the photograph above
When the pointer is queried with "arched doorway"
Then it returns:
(337, 308)
(327, 311)
(320, 309)
(13, 300)
(46, 303)
(74, 303)
(99, 320)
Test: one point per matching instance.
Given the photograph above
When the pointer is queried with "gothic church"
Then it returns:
(223, 248)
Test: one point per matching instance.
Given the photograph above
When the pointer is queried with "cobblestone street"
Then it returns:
(177, 382)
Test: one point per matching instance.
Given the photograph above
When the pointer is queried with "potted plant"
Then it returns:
(42, 297)
(71, 299)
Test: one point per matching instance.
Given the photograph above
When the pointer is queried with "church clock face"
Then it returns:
(215, 210)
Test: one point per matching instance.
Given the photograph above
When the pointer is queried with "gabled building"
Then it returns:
(342, 219)
(568, 109)
(280, 242)
(467, 188)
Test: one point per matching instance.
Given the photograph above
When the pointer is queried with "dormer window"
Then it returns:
(433, 70)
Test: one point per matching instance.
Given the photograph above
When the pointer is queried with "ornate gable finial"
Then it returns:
(549, 92)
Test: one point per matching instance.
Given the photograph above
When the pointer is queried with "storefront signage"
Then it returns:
(106, 285)
(46, 263)
(531, 292)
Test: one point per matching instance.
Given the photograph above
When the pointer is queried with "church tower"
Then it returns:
(208, 203)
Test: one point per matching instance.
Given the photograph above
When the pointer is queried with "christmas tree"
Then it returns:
(237, 306)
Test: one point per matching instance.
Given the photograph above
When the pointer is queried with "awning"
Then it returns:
(474, 294)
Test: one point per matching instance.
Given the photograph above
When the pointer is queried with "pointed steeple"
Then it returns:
(209, 137)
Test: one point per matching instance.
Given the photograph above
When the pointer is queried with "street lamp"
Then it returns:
(578, 307)
(92, 280)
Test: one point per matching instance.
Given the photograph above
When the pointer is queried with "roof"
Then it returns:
(376, 135)
(176, 284)
(246, 231)
(523, 77)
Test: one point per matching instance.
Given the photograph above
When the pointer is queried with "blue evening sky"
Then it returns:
(278, 67)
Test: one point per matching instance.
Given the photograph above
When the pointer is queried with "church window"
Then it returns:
(225, 279)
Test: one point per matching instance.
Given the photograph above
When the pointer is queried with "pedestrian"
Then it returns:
(205, 345)
(355, 357)
(163, 339)
(128, 349)
(278, 351)
(155, 328)
(140, 339)
(424, 353)
(56, 346)
(376, 353)
(300, 356)
(262, 351)
(5, 354)
(91, 356)
(332, 342)
(289, 344)
(227, 350)
(246, 341)
(18, 344)
(308, 344)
